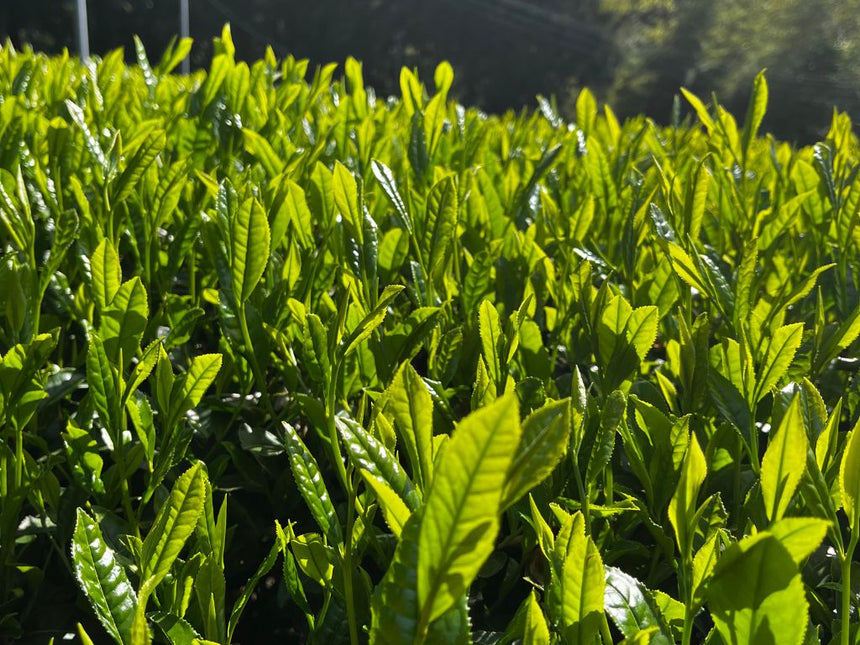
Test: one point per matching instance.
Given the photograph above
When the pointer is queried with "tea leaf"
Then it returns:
(249, 248)
(577, 587)
(545, 435)
(102, 579)
(756, 594)
(411, 406)
(310, 483)
(173, 525)
(632, 607)
(849, 478)
(461, 511)
(536, 631)
(784, 462)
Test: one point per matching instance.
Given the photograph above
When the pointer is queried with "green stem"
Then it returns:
(119, 458)
(846, 588)
(347, 565)
(37, 289)
(421, 632)
(608, 485)
(605, 634)
(687, 594)
(688, 626)
(736, 477)
(753, 445)
(252, 359)
(4, 485)
(331, 398)
(583, 496)
(19, 457)
(192, 277)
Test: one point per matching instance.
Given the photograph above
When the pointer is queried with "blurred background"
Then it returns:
(634, 54)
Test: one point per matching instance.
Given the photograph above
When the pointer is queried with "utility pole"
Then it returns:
(185, 31)
(83, 30)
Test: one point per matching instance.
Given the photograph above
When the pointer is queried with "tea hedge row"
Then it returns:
(462, 378)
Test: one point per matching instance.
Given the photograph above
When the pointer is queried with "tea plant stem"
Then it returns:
(686, 639)
(255, 366)
(736, 477)
(605, 634)
(119, 457)
(331, 397)
(847, 560)
(37, 303)
(753, 445)
(192, 277)
(19, 456)
(583, 495)
(347, 563)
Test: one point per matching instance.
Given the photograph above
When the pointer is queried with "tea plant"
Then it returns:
(462, 378)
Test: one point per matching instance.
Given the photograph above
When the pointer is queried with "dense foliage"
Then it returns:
(281, 359)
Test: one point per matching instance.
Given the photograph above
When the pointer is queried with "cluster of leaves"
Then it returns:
(467, 378)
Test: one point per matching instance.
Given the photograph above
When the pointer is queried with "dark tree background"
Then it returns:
(633, 53)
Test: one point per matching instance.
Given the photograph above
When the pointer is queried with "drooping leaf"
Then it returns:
(177, 630)
(801, 536)
(781, 348)
(315, 558)
(142, 369)
(137, 165)
(388, 183)
(260, 148)
(373, 319)
(188, 389)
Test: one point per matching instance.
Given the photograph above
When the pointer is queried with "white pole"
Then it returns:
(83, 31)
(185, 31)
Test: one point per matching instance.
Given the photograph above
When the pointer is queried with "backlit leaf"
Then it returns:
(249, 248)
(462, 508)
(756, 594)
(784, 462)
(173, 525)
